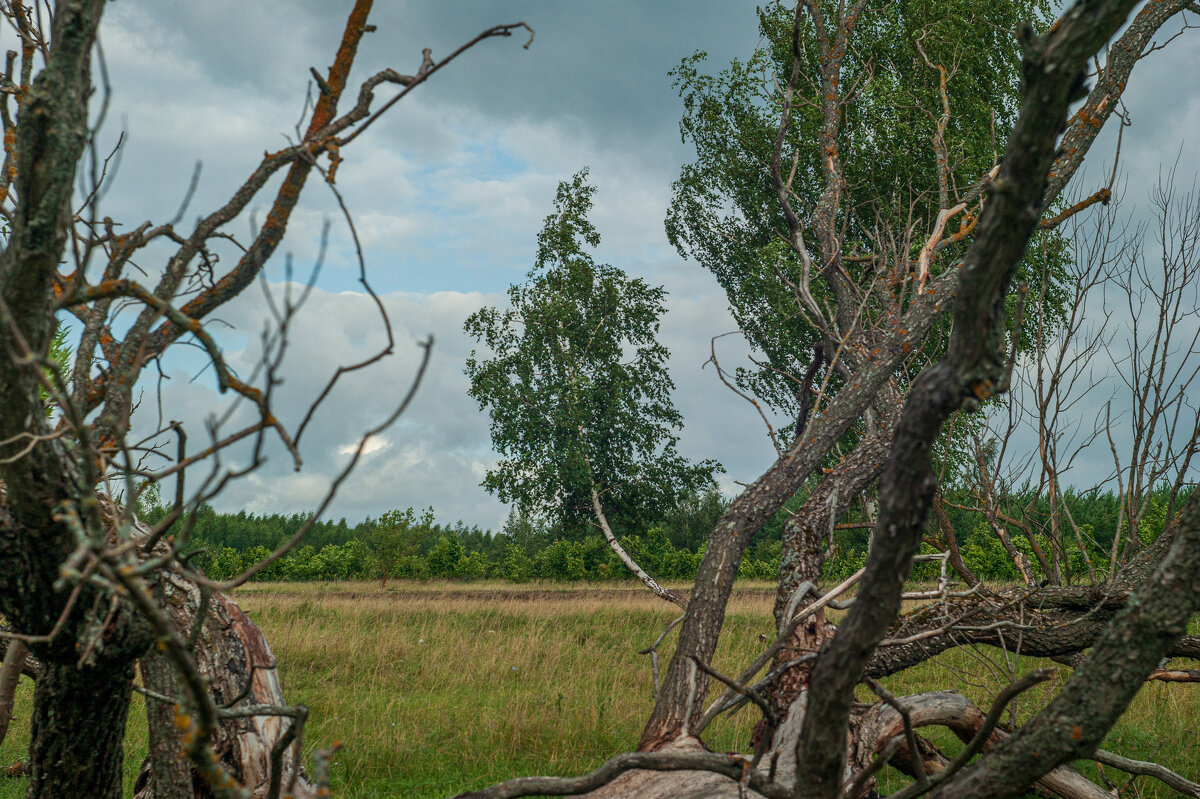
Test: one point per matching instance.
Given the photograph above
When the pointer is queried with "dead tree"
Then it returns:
(806, 695)
(1162, 363)
(87, 587)
(1131, 281)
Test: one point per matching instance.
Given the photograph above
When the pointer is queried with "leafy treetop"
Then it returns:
(577, 385)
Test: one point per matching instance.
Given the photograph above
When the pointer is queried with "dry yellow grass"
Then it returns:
(432, 689)
(435, 688)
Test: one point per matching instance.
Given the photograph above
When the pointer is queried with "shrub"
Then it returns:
(471, 566)
(444, 557)
(516, 566)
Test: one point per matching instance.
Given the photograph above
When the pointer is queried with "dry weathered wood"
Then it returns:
(881, 723)
(31, 668)
(872, 730)
(234, 656)
(166, 765)
(10, 673)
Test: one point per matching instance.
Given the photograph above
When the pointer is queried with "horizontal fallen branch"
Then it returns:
(733, 766)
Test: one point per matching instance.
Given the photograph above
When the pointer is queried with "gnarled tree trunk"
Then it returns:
(234, 656)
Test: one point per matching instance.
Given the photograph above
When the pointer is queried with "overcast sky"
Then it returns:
(448, 193)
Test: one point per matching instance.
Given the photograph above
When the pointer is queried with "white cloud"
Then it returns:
(370, 447)
(448, 193)
(439, 450)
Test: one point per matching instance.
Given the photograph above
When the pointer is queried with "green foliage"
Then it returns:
(60, 354)
(471, 566)
(845, 564)
(577, 386)
(529, 550)
(516, 567)
(396, 539)
(1151, 525)
(689, 523)
(444, 558)
(725, 213)
(525, 533)
(275, 571)
(223, 563)
(352, 560)
(985, 555)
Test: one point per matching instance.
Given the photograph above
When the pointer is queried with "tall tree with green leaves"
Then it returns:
(840, 171)
(924, 101)
(396, 540)
(578, 389)
(876, 296)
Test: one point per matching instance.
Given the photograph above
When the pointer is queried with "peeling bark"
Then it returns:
(236, 659)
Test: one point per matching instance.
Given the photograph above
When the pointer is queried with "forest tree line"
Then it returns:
(410, 544)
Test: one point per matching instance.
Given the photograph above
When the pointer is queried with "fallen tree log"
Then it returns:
(233, 655)
(876, 729)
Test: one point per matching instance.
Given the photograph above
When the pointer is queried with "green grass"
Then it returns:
(436, 688)
(17, 742)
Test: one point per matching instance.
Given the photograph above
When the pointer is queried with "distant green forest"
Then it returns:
(408, 544)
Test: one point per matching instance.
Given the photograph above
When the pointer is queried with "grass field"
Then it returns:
(436, 688)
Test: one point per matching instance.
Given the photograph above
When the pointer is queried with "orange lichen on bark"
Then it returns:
(965, 229)
(356, 25)
(1102, 196)
(982, 389)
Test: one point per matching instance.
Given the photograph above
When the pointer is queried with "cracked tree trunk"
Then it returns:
(806, 535)
(170, 774)
(234, 656)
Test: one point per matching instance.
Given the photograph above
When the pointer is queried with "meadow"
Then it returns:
(434, 688)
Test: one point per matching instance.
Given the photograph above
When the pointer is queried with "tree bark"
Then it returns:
(170, 774)
(30, 668)
(233, 655)
(69, 704)
(754, 507)
(87, 670)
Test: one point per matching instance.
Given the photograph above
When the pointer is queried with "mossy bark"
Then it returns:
(78, 731)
